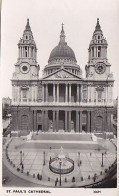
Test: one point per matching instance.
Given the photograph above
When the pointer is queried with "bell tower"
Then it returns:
(98, 66)
(26, 75)
(26, 66)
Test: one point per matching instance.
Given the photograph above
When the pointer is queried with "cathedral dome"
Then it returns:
(62, 50)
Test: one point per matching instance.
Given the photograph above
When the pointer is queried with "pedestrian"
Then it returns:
(50, 147)
(55, 183)
(38, 176)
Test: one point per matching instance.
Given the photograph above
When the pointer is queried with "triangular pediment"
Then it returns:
(61, 74)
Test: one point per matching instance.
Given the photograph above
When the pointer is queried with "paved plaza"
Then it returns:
(33, 161)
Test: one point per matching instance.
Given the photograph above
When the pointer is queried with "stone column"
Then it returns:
(46, 92)
(94, 52)
(77, 121)
(43, 120)
(18, 94)
(54, 121)
(57, 120)
(78, 93)
(46, 120)
(36, 93)
(69, 92)
(88, 124)
(23, 51)
(66, 121)
(28, 51)
(57, 92)
(66, 93)
(54, 92)
(80, 121)
(31, 120)
(35, 120)
(106, 94)
(42, 92)
(69, 121)
(108, 120)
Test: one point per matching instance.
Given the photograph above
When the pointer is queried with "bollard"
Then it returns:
(40, 177)
(73, 179)
(65, 179)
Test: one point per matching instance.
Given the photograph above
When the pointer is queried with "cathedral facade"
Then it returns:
(62, 100)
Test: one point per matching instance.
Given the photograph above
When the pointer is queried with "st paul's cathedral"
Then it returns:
(62, 100)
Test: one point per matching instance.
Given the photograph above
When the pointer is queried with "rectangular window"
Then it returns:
(99, 51)
(24, 93)
(99, 96)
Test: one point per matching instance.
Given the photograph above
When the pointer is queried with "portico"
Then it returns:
(59, 120)
(66, 92)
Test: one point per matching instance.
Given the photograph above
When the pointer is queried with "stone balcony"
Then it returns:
(83, 104)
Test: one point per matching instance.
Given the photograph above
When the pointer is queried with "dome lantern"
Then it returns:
(62, 50)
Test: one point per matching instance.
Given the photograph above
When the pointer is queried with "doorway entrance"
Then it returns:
(39, 128)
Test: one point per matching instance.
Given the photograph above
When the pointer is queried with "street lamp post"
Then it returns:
(44, 158)
(78, 158)
(20, 157)
(60, 162)
(102, 159)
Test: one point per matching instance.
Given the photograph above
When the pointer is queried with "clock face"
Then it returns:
(24, 68)
(100, 68)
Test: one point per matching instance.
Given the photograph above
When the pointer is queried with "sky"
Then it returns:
(45, 16)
